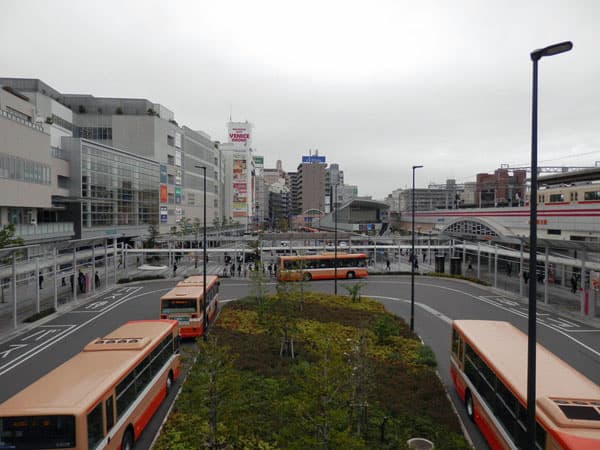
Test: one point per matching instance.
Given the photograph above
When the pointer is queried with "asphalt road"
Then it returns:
(25, 358)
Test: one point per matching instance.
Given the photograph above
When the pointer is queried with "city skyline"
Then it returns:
(374, 89)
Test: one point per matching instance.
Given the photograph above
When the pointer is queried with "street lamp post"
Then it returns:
(536, 55)
(204, 318)
(335, 264)
(412, 255)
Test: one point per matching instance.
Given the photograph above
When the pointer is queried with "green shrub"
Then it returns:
(426, 357)
(386, 327)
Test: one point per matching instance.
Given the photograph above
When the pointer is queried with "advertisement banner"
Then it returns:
(240, 134)
(164, 214)
(178, 215)
(313, 159)
(177, 195)
(163, 193)
(163, 174)
(240, 186)
(178, 177)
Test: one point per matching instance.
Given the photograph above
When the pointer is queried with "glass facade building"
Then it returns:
(117, 189)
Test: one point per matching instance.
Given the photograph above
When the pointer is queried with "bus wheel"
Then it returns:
(127, 442)
(350, 275)
(169, 382)
(307, 277)
(469, 405)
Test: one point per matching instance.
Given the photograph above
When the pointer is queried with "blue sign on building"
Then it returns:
(163, 174)
(313, 159)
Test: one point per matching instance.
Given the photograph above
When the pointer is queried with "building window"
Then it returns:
(171, 140)
(171, 160)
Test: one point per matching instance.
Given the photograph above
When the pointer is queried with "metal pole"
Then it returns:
(335, 263)
(546, 278)
(93, 280)
(582, 281)
(55, 254)
(464, 257)
(14, 286)
(105, 261)
(205, 319)
(37, 284)
(532, 337)
(521, 259)
(115, 255)
(412, 257)
(75, 278)
(478, 260)
(496, 265)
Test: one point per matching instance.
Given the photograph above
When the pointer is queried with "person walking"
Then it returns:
(81, 282)
(41, 280)
(387, 265)
(97, 280)
(573, 284)
(174, 268)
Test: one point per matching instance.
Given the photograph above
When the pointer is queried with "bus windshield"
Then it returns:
(34, 432)
(184, 305)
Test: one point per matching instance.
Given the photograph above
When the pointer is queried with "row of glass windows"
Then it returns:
(95, 133)
(121, 190)
(324, 263)
(470, 227)
(62, 122)
(21, 169)
(573, 196)
(128, 391)
(504, 405)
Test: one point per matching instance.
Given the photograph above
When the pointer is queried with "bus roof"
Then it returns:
(504, 349)
(198, 280)
(184, 292)
(340, 255)
(78, 383)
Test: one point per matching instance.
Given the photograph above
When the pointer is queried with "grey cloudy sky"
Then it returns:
(376, 86)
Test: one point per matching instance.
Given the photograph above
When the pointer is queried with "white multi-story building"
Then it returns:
(239, 169)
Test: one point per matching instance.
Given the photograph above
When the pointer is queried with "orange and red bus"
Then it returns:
(184, 303)
(101, 398)
(488, 365)
(321, 267)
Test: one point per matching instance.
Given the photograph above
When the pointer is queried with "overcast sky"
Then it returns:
(376, 86)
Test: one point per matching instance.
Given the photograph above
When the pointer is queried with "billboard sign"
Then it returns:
(163, 174)
(240, 134)
(311, 159)
(163, 193)
(164, 214)
(240, 186)
(177, 195)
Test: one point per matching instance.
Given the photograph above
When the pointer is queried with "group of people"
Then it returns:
(80, 281)
(243, 270)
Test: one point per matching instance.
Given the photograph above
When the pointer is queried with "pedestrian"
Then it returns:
(175, 268)
(424, 257)
(232, 270)
(270, 269)
(525, 276)
(387, 265)
(41, 280)
(71, 279)
(239, 270)
(416, 263)
(97, 280)
(81, 282)
(573, 284)
(64, 283)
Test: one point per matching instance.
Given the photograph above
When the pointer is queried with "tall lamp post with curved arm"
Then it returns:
(204, 318)
(412, 255)
(536, 55)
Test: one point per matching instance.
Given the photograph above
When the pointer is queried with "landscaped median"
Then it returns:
(301, 370)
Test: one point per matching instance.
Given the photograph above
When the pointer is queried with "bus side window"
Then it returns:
(455, 341)
(110, 413)
(95, 427)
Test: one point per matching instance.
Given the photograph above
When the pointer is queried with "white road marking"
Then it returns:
(35, 350)
(5, 353)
